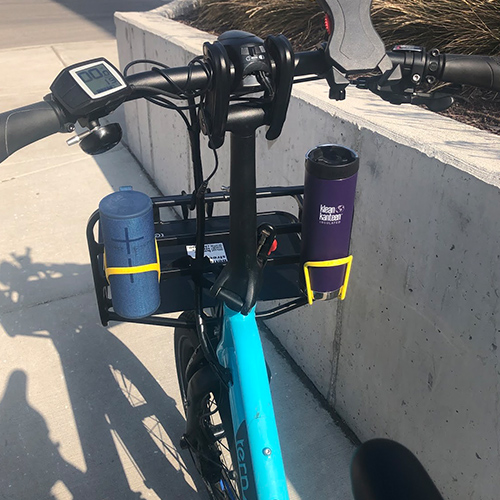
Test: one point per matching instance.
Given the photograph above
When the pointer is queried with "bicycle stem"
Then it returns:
(243, 205)
(239, 283)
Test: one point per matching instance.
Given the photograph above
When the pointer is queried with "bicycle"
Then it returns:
(223, 378)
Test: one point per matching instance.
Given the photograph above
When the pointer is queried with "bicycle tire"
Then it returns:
(220, 478)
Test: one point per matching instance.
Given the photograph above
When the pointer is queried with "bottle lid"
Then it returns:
(125, 204)
(332, 162)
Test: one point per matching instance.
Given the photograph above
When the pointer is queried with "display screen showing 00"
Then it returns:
(98, 79)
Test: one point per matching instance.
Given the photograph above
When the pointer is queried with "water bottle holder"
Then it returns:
(176, 269)
(345, 261)
(146, 268)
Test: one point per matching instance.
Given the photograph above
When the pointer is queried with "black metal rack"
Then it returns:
(177, 282)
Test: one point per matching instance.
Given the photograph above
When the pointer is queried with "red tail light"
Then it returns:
(328, 24)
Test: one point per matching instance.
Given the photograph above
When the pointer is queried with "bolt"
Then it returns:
(416, 77)
(184, 443)
(267, 452)
(434, 52)
(431, 79)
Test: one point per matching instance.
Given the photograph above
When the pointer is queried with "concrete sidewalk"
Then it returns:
(90, 412)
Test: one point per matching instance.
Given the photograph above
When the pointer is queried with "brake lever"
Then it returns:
(437, 100)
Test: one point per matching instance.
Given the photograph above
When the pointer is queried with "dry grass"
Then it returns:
(301, 21)
(462, 26)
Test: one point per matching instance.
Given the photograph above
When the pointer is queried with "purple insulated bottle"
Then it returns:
(329, 190)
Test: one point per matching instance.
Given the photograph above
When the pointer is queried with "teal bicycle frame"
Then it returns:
(260, 463)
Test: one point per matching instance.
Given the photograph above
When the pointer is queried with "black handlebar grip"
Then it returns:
(479, 71)
(25, 125)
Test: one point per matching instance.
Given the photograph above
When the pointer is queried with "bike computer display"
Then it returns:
(98, 79)
(90, 88)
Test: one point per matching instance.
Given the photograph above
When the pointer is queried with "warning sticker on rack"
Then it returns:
(214, 251)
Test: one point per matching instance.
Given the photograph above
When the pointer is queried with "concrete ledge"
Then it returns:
(412, 352)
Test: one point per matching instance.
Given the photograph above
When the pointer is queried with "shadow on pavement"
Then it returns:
(30, 462)
(118, 406)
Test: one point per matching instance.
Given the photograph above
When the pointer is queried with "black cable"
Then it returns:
(187, 94)
(180, 92)
(309, 79)
(204, 185)
(251, 100)
(173, 107)
(199, 61)
(159, 97)
(156, 91)
(264, 80)
(143, 61)
(162, 101)
(214, 171)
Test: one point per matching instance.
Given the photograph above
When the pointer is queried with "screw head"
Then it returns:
(416, 77)
(267, 452)
(184, 443)
(433, 66)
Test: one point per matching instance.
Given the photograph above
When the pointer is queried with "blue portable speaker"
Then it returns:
(131, 258)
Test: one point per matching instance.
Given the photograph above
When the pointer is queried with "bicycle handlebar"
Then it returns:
(23, 126)
(479, 71)
(305, 63)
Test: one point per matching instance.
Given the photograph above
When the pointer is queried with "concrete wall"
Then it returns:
(412, 352)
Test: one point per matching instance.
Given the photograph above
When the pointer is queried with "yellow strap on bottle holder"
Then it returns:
(155, 266)
(328, 263)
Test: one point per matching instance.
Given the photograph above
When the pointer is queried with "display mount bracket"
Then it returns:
(354, 46)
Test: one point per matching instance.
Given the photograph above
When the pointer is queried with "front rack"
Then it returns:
(176, 239)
